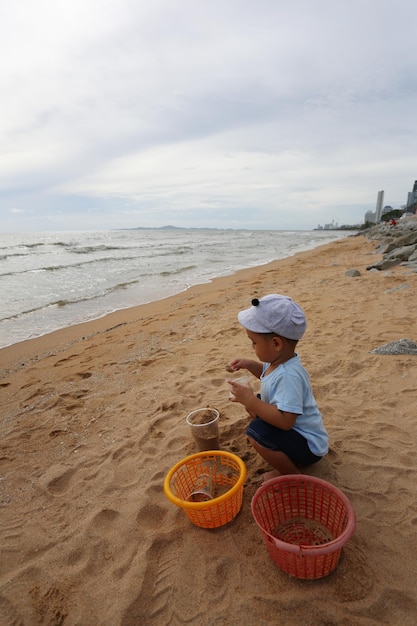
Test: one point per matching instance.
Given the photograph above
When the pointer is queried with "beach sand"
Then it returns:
(93, 417)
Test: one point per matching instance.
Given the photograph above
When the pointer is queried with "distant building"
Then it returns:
(333, 226)
(412, 198)
(374, 217)
(370, 217)
(378, 209)
(387, 209)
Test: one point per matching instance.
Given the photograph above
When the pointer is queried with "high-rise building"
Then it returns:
(412, 196)
(379, 203)
(414, 193)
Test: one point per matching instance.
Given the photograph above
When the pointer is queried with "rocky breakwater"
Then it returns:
(397, 244)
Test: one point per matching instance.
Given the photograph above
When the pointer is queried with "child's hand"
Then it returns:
(236, 365)
(241, 392)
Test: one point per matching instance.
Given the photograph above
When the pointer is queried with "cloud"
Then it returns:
(197, 111)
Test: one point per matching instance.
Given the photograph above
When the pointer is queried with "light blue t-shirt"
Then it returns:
(288, 388)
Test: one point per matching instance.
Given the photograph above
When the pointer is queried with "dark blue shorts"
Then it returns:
(290, 442)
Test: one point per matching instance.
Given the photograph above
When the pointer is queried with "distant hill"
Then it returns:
(170, 227)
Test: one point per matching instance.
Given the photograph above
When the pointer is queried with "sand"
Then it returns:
(93, 417)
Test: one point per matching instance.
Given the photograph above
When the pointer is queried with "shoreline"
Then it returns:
(78, 331)
(144, 288)
(93, 418)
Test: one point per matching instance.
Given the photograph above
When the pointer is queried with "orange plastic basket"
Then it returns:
(227, 472)
(305, 522)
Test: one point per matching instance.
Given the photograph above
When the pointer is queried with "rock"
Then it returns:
(403, 253)
(399, 288)
(384, 264)
(401, 346)
(353, 273)
(398, 244)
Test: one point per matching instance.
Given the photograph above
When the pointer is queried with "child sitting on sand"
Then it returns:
(287, 429)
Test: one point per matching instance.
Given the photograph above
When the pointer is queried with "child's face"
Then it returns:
(266, 346)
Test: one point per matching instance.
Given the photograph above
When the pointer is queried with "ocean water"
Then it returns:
(53, 280)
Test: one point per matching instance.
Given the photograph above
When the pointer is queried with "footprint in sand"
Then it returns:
(124, 450)
(80, 375)
(60, 483)
(150, 515)
(166, 594)
(353, 567)
(104, 519)
(50, 605)
(64, 361)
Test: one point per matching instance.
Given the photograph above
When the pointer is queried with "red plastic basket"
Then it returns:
(305, 522)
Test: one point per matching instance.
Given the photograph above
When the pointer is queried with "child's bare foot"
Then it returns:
(262, 478)
(268, 475)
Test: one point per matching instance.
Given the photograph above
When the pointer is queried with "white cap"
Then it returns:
(274, 314)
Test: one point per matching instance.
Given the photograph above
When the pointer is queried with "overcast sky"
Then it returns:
(221, 113)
